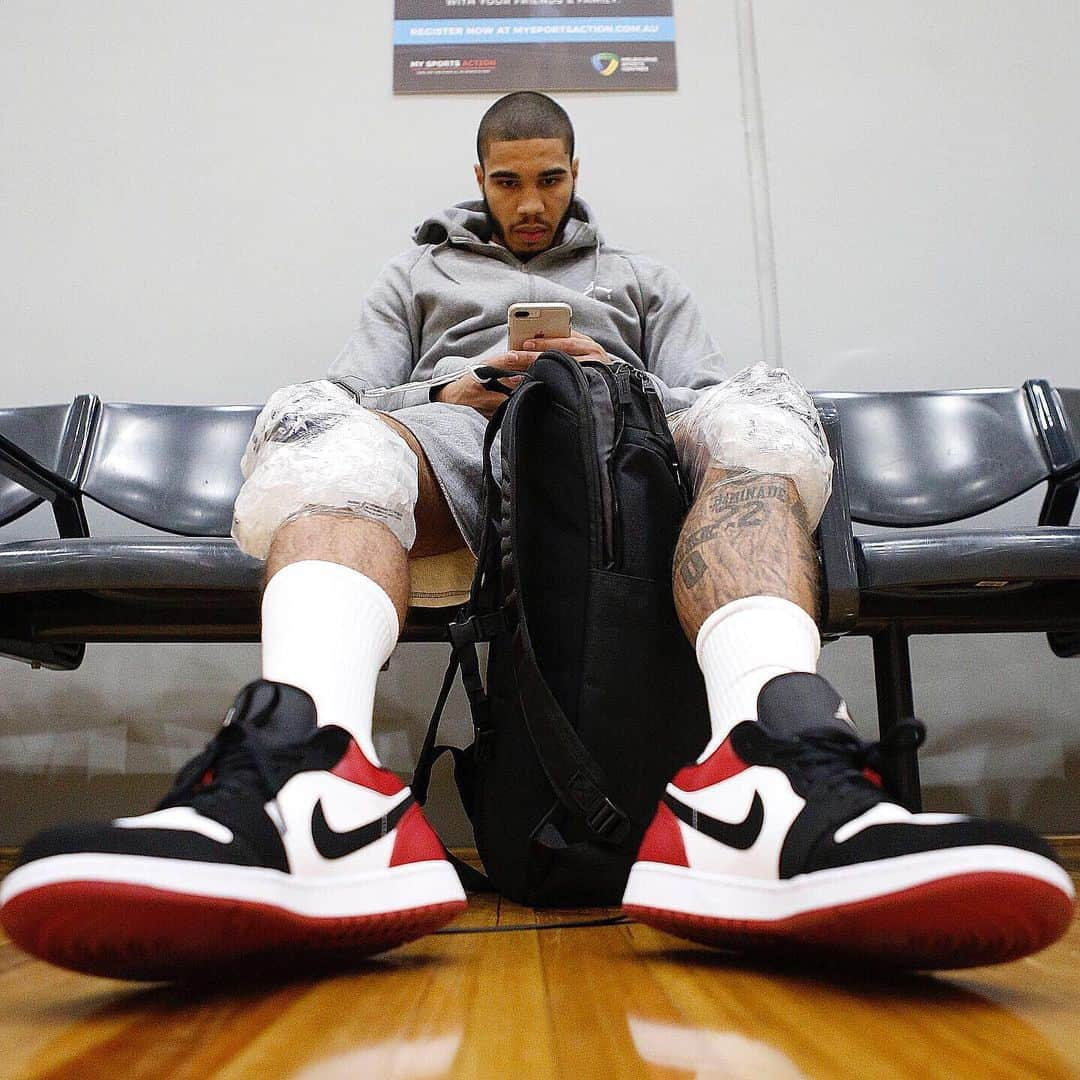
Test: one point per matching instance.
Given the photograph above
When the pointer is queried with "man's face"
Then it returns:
(528, 185)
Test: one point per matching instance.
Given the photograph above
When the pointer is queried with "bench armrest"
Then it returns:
(64, 496)
(839, 573)
(1056, 414)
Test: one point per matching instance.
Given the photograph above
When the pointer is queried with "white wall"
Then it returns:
(922, 161)
(193, 198)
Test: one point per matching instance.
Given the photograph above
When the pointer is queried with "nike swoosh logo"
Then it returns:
(336, 845)
(739, 835)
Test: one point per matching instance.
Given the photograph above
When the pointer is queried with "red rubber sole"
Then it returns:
(963, 921)
(137, 932)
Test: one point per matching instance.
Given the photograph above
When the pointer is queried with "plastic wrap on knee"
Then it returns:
(760, 420)
(314, 450)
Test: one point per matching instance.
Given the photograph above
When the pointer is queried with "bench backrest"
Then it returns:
(172, 467)
(918, 458)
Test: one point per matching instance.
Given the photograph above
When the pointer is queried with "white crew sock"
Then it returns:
(743, 645)
(328, 630)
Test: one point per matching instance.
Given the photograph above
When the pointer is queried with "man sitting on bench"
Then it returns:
(287, 837)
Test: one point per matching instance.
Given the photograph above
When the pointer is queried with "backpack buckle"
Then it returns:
(476, 628)
(609, 822)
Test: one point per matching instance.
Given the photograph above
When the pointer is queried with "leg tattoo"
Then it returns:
(745, 535)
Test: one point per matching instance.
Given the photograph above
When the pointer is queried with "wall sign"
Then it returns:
(476, 46)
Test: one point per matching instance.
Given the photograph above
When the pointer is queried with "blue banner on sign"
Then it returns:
(530, 31)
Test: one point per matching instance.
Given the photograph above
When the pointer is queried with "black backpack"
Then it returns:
(594, 699)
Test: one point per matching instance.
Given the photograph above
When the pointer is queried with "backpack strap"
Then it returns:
(571, 770)
(429, 752)
(470, 627)
(471, 878)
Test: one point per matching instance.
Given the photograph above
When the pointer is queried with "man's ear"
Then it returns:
(574, 168)
(479, 170)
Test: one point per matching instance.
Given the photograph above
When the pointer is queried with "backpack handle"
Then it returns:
(488, 376)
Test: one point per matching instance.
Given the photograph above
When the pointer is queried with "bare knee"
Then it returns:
(436, 530)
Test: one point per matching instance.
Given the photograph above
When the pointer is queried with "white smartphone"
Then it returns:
(526, 321)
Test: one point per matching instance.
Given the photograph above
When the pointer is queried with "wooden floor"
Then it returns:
(602, 1001)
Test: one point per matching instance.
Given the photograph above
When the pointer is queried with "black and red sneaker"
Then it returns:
(783, 839)
(280, 842)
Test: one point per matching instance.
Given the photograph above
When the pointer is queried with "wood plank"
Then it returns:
(589, 979)
(508, 1031)
(1068, 851)
(840, 1023)
(44, 1010)
(402, 1015)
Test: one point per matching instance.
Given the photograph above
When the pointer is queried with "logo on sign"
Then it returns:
(606, 63)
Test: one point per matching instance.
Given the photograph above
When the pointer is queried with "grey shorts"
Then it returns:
(452, 438)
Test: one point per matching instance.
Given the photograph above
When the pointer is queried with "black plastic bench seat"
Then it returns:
(142, 589)
(152, 563)
(977, 582)
(917, 559)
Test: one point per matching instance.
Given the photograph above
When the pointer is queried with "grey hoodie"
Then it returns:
(441, 307)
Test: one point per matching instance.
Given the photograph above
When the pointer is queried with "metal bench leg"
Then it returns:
(892, 678)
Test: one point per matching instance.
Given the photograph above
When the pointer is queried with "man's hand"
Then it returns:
(468, 390)
(576, 345)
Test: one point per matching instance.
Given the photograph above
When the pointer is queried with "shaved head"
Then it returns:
(524, 115)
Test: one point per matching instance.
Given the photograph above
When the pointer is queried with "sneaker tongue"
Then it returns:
(283, 715)
(794, 702)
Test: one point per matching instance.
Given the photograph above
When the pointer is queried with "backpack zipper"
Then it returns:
(605, 551)
(592, 475)
(660, 429)
(615, 380)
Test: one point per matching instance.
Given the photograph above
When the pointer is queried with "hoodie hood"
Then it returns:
(467, 224)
